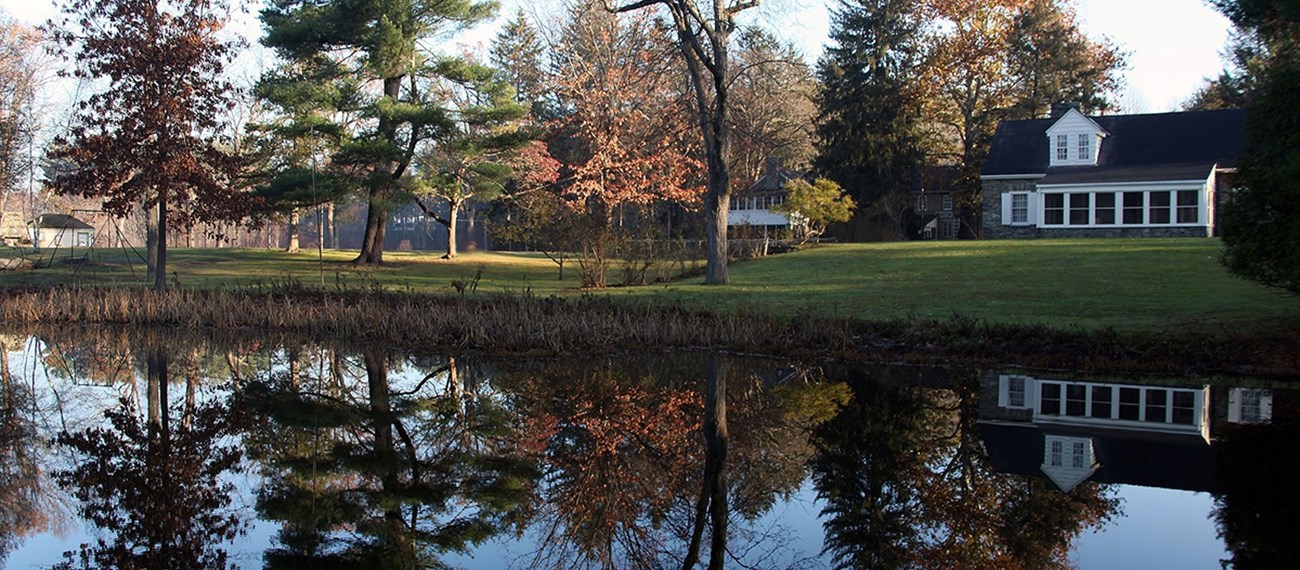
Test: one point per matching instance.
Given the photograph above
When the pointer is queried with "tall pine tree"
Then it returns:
(869, 129)
(375, 42)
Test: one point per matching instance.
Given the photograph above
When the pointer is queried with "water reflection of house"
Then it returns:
(1139, 434)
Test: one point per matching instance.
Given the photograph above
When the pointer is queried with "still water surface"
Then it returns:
(122, 452)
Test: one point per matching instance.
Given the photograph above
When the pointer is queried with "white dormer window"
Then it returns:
(1074, 140)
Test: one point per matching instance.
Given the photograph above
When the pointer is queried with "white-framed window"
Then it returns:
(920, 202)
(1062, 147)
(1015, 391)
(83, 239)
(1188, 209)
(1085, 146)
(1020, 208)
(947, 203)
(1053, 209)
(1103, 211)
(1250, 405)
(1145, 404)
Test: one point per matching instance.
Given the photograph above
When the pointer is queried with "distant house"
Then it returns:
(752, 206)
(937, 216)
(1071, 175)
(60, 230)
(1070, 431)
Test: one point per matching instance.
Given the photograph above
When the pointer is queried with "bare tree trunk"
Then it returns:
(452, 215)
(372, 245)
(151, 242)
(292, 230)
(329, 227)
(160, 267)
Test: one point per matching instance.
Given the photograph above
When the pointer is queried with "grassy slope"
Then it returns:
(1135, 284)
(1127, 284)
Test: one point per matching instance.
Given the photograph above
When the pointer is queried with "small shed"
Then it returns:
(12, 229)
(60, 230)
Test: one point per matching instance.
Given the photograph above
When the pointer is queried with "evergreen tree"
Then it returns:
(288, 173)
(1053, 61)
(471, 161)
(374, 42)
(1234, 88)
(869, 134)
(1261, 224)
(517, 51)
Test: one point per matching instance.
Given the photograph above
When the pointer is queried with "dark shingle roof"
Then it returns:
(773, 180)
(1161, 146)
(61, 221)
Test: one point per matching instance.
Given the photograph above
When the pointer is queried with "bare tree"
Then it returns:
(704, 30)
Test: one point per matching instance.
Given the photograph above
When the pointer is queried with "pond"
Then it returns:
(125, 450)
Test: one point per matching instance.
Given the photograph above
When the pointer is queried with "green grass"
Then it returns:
(1128, 284)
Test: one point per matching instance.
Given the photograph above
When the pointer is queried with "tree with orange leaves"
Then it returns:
(990, 60)
(623, 141)
(151, 137)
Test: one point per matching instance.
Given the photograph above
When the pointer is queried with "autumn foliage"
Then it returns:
(151, 137)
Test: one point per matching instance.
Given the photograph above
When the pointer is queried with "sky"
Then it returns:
(1173, 45)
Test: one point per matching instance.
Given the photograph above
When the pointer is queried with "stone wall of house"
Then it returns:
(988, 407)
(993, 228)
(1023, 232)
(992, 191)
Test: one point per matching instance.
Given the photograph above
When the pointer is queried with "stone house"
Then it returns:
(1149, 175)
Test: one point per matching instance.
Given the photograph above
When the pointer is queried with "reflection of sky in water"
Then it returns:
(1160, 528)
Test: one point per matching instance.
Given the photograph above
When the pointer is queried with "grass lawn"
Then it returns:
(1129, 284)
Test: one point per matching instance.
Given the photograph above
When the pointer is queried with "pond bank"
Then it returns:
(592, 324)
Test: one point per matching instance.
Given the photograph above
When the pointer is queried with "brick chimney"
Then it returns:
(1061, 108)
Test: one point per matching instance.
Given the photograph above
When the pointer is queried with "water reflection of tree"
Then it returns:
(634, 479)
(365, 474)
(907, 484)
(27, 505)
(1258, 478)
(153, 485)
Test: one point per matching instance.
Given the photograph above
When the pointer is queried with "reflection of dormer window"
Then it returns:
(1069, 452)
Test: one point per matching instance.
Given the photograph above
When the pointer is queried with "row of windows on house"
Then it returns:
(1084, 147)
(757, 202)
(1158, 405)
(1136, 208)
